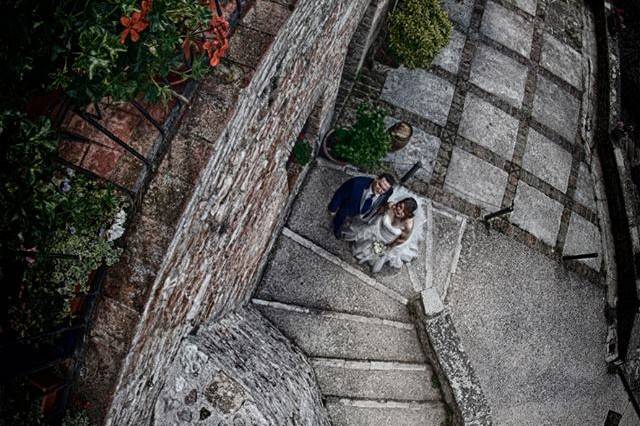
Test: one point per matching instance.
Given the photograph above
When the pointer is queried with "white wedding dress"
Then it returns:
(380, 228)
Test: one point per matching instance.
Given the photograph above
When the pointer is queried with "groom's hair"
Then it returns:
(389, 178)
(410, 206)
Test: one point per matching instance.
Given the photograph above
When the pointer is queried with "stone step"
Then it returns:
(375, 379)
(331, 334)
(297, 275)
(363, 412)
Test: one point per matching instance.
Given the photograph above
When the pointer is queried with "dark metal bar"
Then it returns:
(107, 132)
(500, 212)
(148, 116)
(580, 256)
(92, 175)
(218, 8)
(411, 172)
(98, 114)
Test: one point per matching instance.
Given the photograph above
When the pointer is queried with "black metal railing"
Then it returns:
(32, 354)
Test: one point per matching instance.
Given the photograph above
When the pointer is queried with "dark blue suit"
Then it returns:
(346, 201)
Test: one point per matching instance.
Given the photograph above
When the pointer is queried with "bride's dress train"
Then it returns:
(380, 228)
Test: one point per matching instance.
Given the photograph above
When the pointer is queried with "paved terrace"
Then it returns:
(503, 118)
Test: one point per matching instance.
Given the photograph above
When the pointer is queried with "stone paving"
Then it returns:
(499, 120)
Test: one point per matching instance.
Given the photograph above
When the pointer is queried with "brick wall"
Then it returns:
(196, 250)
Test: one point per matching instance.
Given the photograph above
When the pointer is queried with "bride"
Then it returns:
(392, 236)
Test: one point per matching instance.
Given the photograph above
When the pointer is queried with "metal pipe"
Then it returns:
(500, 212)
(411, 172)
(580, 256)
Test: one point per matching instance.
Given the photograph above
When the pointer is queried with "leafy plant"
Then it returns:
(302, 152)
(78, 418)
(116, 49)
(418, 30)
(54, 227)
(366, 142)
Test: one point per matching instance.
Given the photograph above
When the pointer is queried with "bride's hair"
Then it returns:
(410, 206)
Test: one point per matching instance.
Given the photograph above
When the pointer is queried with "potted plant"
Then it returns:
(401, 133)
(364, 144)
(417, 31)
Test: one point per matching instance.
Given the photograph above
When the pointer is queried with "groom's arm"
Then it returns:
(340, 195)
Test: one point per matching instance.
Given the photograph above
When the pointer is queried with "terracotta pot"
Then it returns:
(328, 142)
(401, 133)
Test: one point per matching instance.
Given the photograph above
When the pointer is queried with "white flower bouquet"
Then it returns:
(378, 247)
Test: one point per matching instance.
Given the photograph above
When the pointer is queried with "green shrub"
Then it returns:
(366, 142)
(302, 152)
(418, 30)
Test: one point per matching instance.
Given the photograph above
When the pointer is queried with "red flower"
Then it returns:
(133, 26)
(218, 45)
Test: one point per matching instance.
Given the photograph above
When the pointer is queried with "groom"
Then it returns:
(359, 197)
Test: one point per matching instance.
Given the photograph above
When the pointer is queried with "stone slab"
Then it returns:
(296, 275)
(395, 384)
(446, 231)
(488, 126)
(420, 92)
(547, 160)
(422, 147)
(459, 11)
(449, 57)
(583, 237)
(556, 109)
(528, 6)
(534, 333)
(238, 370)
(498, 74)
(362, 414)
(561, 60)
(584, 189)
(329, 337)
(507, 28)
(536, 213)
(475, 180)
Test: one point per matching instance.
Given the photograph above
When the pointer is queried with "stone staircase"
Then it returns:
(354, 327)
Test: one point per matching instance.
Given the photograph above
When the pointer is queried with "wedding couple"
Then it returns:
(379, 220)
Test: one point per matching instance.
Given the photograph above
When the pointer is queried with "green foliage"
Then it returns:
(418, 30)
(302, 152)
(79, 418)
(366, 142)
(53, 226)
(96, 64)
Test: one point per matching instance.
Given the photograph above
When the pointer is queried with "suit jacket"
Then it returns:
(348, 197)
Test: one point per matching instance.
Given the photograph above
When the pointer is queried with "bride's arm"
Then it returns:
(404, 236)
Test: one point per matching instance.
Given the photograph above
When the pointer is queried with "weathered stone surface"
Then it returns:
(528, 6)
(420, 92)
(461, 386)
(238, 199)
(534, 333)
(507, 28)
(449, 57)
(547, 160)
(459, 11)
(535, 212)
(422, 147)
(584, 189)
(475, 180)
(328, 336)
(356, 413)
(562, 60)
(488, 126)
(556, 109)
(408, 382)
(298, 276)
(498, 74)
(240, 370)
(583, 237)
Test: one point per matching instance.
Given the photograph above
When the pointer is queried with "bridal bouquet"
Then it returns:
(378, 247)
